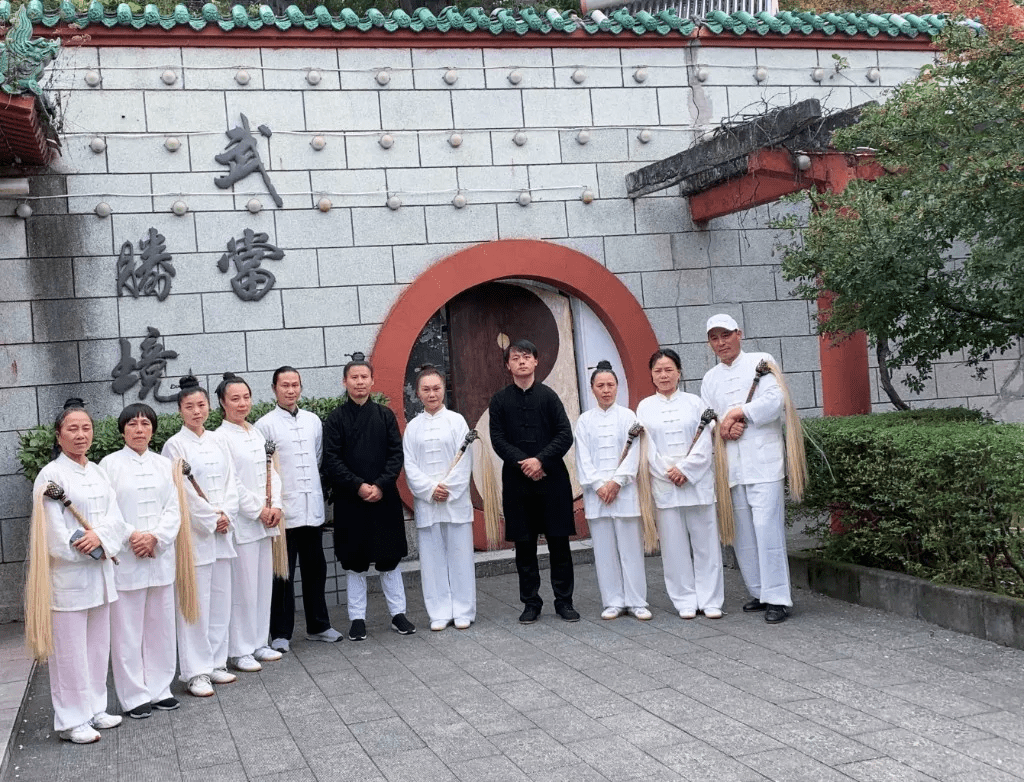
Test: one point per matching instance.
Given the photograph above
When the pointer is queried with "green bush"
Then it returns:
(35, 445)
(932, 493)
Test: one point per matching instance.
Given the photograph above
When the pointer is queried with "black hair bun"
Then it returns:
(188, 382)
(229, 376)
(604, 364)
(358, 356)
(74, 403)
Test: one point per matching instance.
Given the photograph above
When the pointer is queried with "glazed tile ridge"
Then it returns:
(503, 22)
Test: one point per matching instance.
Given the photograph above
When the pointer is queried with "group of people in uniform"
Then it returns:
(184, 562)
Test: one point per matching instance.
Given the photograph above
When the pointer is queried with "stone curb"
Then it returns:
(982, 614)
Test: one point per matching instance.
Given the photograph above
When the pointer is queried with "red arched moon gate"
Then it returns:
(561, 267)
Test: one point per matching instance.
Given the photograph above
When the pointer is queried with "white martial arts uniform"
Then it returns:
(82, 589)
(615, 527)
(142, 632)
(203, 646)
(686, 514)
(757, 472)
(444, 529)
(253, 569)
(300, 441)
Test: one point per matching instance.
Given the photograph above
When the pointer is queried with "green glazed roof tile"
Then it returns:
(503, 22)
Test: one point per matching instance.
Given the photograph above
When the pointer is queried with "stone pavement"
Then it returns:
(838, 692)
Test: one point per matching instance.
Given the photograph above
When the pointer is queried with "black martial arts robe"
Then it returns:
(362, 445)
(533, 423)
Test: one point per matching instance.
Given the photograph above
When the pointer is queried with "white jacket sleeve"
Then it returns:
(166, 530)
(457, 482)
(420, 484)
(696, 465)
(767, 404)
(626, 472)
(586, 470)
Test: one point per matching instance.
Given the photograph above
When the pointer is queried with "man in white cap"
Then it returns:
(756, 451)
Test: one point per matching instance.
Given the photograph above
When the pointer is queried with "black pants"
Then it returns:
(529, 571)
(306, 545)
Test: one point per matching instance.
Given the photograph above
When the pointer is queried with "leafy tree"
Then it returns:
(931, 256)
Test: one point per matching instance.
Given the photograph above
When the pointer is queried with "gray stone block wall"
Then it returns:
(61, 320)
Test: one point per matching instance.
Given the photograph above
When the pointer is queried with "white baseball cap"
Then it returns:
(722, 321)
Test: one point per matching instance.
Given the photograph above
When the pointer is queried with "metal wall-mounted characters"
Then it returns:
(147, 370)
(242, 157)
(153, 275)
(251, 282)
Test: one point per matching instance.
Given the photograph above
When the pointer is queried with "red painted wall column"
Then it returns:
(845, 376)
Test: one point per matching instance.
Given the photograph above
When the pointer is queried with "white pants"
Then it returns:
(220, 611)
(693, 580)
(252, 579)
(142, 648)
(392, 584)
(619, 561)
(760, 513)
(447, 571)
(194, 654)
(78, 665)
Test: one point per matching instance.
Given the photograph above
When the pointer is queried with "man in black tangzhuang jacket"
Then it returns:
(531, 433)
(362, 460)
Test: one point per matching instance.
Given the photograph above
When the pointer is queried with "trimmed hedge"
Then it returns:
(35, 445)
(931, 493)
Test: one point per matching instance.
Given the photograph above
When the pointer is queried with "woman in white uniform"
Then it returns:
(203, 646)
(442, 505)
(255, 527)
(71, 586)
(142, 633)
(610, 499)
(683, 484)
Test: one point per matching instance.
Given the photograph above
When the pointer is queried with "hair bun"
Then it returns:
(74, 403)
(604, 364)
(424, 367)
(358, 356)
(229, 376)
(187, 382)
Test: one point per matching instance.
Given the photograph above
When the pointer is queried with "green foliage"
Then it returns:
(930, 256)
(35, 446)
(935, 494)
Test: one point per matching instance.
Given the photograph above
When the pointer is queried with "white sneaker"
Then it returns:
(713, 613)
(330, 636)
(222, 676)
(246, 663)
(462, 624)
(688, 613)
(641, 612)
(102, 721)
(612, 612)
(266, 654)
(281, 644)
(83, 734)
(438, 625)
(200, 686)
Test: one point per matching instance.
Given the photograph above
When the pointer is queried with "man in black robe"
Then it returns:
(531, 433)
(362, 460)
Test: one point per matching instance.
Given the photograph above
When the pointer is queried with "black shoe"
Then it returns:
(530, 615)
(754, 605)
(141, 711)
(568, 613)
(401, 625)
(357, 632)
(167, 704)
(775, 614)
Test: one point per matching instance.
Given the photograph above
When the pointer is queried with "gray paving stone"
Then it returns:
(152, 769)
(786, 765)
(921, 754)
(422, 765)
(883, 770)
(488, 769)
(534, 750)
(618, 759)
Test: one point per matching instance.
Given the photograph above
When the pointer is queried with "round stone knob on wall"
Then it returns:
(459, 201)
(579, 76)
(450, 76)
(92, 78)
(314, 77)
(243, 77)
(324, 204)
(179, 208)
(386, 141)
(640, 75)
(103, 209)
(97, 145)
(254, 205)
(519, 139)
(24, 211)
(383, 78)
(515, 77)
(524, 198)
(318, 142)
(172, 143)
(455, 139)
(168, 77)
(394, 203)
(583, 137)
